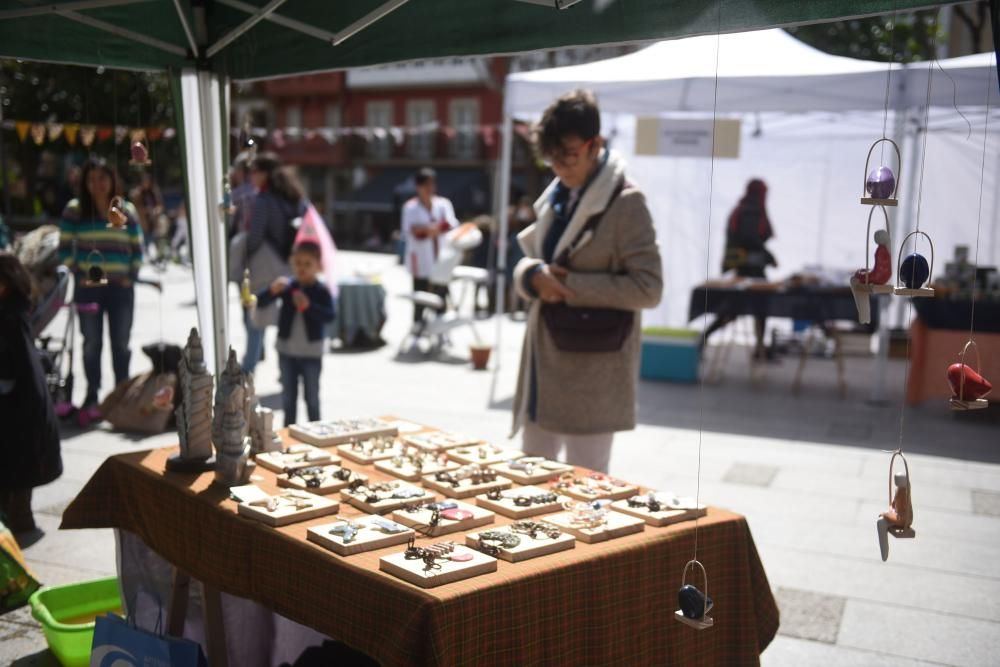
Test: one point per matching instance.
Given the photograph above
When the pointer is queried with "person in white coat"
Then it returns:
(425, 219)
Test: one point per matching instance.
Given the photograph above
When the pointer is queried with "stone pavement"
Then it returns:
(808, 471)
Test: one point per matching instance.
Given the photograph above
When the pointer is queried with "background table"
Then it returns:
(805, 302)
(610, 603)
(360, 311)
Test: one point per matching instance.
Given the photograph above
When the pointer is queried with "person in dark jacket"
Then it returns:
(306, 307)
(747, 230)
(30, 443)
(279, 201)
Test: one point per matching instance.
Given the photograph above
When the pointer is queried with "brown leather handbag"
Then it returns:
(579, 329)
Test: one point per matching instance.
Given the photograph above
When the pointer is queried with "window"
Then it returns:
(463, 116)
(378, 118)
(331, 118)
(419, 119)
(293, 117)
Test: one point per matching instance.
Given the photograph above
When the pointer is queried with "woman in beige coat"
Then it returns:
(577, 400)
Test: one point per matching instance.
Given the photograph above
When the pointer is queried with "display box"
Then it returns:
(369, 535)
(451, 571)
(360, 498)
(672, 509)
(669, 355)
(321, 480)
(531, 469)
(294, 457)
(466, 488)
(330, 432)
(507, 504)
(616, 525)
(529, 547)
(483, 454)
(422, 518)
(600, 487)
(403, 467)
(367, 452)
(437, 440)
(290, 506)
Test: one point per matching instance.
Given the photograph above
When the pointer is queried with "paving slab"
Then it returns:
(793, 652)
(809, 615)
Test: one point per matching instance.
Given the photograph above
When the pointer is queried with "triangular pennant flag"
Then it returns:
(278, 139)
(489, 135)
(449, 132)
(87, 135)
(169, 133)
(154, 133)
(397, 135)
(121, 131)
(137, 134)
(380, 133)
(38, 133)
(70, 131)
(328, 134)
(55, 131)
(22, 127)
(105, 132)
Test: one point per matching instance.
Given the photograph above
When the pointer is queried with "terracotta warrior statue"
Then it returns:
(898, 517)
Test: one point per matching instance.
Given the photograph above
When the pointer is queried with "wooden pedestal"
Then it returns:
(383, 506)
(528, 548)
(617, 525)
(484, 455)
(411, 474)
(295, 457)
(420, 520)
(438, 440)
(660, 519)
(368, 538)
(368, 458)
(450, 572)
(465, 489)
(332, 432)
(543, 471)
(328, 483)
(286, 513)
(506, 507)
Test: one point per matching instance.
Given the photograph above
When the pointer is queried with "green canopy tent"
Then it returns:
(205, 43)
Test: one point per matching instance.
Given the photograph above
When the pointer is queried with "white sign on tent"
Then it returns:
(687, 137)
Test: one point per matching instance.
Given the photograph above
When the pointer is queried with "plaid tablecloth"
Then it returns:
(610, 603)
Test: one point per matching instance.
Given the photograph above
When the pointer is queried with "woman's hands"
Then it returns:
(548, 284)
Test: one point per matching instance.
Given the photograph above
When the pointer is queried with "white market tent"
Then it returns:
(808, 120)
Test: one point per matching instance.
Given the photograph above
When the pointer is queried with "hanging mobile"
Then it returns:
(914, 272)
(117, 218)
(880, 183)
(967, 385)
(694, 605)
(898, 519)
(95, 272)
(139, 151)
(246, 141)
(873, 280)
(227, 207)
(247, 297)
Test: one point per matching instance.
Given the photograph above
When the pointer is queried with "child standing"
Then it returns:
(306, 307)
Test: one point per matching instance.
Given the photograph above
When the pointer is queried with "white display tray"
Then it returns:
(286, 513)
(663, 518)
(328, 483)
(294, 457)
(474, 454)
(368, 538)
(366, 458)
(420, 520)
(528, 548)
(411, 474)
(450, 572)
(543, 472)
(387, 505)
(507, 508)
(434, 441)
(618, 525)
(330, 432)
(465, 489)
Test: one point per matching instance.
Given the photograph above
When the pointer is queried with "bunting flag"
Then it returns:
(70, 132)
(105, 133)
(22, 127)
(55, 131)
(169, 133)
(87, 135)
(328, 133)
(38, 133)
(121, 131)
(397, 135)
(138, 134)
(489, 135)
(155, 133)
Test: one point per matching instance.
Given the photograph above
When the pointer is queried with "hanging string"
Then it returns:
(708, 251)
(982, 178)
(888, 82)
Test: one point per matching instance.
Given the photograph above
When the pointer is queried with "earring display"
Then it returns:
(594, 521)
(595, 486)
(465, 482)
(484, 454)
(297, 456)
(415, 463)
(694, 605)
(359, 534)
(383, 497)
(369, 450)
(441, 518)
(433, 565)
(289, 506)
(660, 509)
(321, 480)
(522, 502)
(332, 432)
(531, 469)
(438, 440)
(521, 540)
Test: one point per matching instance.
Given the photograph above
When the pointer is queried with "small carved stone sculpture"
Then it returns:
(230, 426)
(263, 437)
(194, 413)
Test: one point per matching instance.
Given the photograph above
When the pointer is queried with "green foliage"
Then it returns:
(912, 37)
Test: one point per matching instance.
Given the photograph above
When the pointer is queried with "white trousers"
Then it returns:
(592, 450)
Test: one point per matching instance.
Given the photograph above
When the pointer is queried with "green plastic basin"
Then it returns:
(67, 616)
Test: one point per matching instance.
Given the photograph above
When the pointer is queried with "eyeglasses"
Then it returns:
(565, 158)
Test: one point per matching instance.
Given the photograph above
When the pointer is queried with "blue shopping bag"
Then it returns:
(119, 644)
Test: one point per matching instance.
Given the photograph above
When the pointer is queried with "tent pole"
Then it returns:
(182, 17)
(506, 150)
(283, 21)
(244, 27)
(122, 32)
(48, 9)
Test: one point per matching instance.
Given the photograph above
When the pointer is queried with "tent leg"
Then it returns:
(506, 150)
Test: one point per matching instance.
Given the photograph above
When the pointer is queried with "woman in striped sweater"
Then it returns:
(84, 230)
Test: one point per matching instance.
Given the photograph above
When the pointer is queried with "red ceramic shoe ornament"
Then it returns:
(974, 387)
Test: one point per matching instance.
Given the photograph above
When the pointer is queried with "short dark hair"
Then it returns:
(574, 114)
(308, 248)
(425, 174)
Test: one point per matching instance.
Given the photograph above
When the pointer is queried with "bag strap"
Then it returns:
(590, 225)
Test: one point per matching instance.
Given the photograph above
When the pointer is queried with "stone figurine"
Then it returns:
(863, 279)
(263, 437)
(230, 427)
(194, 412)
